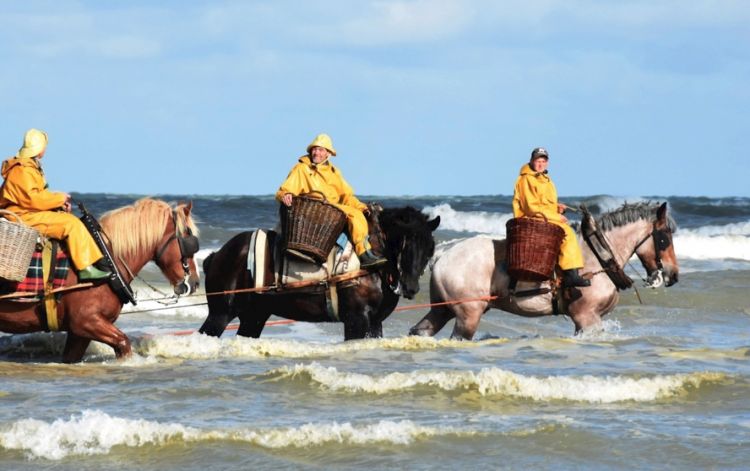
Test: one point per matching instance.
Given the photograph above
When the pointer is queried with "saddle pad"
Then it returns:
(34, 281)
(265, 251)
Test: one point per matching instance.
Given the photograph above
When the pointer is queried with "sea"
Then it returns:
(664, 385)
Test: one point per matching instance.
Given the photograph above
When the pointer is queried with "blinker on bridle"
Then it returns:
(188, 245)
(661, 243)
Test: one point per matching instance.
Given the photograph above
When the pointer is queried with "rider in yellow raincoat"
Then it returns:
(25, 193)
(535, 193)
(315, 172)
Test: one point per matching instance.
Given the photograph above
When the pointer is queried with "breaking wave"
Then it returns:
(482, 222)
(198, 346)
(498, 382)
(94, 432)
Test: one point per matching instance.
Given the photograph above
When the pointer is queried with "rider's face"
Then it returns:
(539, 164)
(319, 154)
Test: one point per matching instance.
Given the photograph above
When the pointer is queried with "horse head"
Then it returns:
(408, 245)
(152, 230)
(656, 251)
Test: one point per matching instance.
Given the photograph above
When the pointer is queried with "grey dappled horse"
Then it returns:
(474, 268)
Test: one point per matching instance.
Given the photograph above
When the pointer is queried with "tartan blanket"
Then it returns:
(34, 281)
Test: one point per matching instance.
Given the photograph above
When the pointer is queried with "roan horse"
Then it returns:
(148, 230)
(362, 305)
(475, 268)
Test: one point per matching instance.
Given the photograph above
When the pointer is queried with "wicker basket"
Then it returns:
(532, 248)
(311, 226)
(17, 245)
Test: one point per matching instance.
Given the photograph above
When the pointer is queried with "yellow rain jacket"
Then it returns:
(535, 193)
(25, 193)
(327, 179)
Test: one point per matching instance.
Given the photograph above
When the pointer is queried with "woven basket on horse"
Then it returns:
(17, 244)
(533, 246)
(311, 227)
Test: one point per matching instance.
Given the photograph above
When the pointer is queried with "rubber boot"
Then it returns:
(368, 259)
(97, 271)
(572, 278)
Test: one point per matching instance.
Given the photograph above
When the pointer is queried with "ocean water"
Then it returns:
(666, 385)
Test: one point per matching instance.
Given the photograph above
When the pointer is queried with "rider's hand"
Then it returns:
(561, 208)
(287, 199)
(67, 206)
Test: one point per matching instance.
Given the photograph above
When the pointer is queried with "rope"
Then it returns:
(236, 326)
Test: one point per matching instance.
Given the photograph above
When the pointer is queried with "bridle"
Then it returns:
(661, 243)
(393, 277)
(188, 245)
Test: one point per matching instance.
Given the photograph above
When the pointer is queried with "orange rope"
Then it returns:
(445, 303)
(236, 326)
(398, 309)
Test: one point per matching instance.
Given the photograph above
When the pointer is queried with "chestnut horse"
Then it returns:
(148, 230)
(475, 268)
(407, 243)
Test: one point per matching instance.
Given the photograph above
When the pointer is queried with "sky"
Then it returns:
(438, 97)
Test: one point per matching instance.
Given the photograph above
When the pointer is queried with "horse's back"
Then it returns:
(468, 269)
(222, 266)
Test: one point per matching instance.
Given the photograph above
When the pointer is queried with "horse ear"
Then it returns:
(661, 213)
(186, 207)
(433, 223)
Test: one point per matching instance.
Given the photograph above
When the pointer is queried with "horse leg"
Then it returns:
(252, 324)
(432, 322)
(75, 348)
(102, 330)
(467, 319)
(586, 321)
(218, 317)
(376, 329)
(356, 326)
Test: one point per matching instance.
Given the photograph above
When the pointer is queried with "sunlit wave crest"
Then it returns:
(498, 382)
(94, 432)
(197, 346)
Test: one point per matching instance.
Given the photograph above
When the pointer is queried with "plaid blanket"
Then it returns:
(34, 281)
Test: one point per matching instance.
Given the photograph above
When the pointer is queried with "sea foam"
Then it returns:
(94, 432)
(498, 382)
(471, 221)
(198, 346)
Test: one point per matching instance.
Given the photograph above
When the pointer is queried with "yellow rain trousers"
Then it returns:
(25, 193)
(535, 193)
(306, 177)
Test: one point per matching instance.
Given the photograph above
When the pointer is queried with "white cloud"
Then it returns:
(405, 21)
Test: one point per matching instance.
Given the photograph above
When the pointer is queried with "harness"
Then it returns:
(603, 252)
(661, 243)
(118, 284)
(188, 245)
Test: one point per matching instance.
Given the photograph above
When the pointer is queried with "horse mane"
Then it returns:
(406, 215)
(628, 213)
(140, 226)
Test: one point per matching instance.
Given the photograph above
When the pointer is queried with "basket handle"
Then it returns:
(542, 215)
(5, 213)
(315, 194)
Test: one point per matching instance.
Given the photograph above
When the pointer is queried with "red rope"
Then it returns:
(445, 303)
(398, 309)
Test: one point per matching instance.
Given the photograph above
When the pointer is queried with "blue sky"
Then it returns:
(421, 97)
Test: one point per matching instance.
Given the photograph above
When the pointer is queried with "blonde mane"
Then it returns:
(137, 228)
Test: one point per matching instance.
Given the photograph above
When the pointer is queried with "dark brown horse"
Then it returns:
(148, 230)
(363, 305)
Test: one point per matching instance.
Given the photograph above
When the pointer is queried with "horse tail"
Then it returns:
(207, 262)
